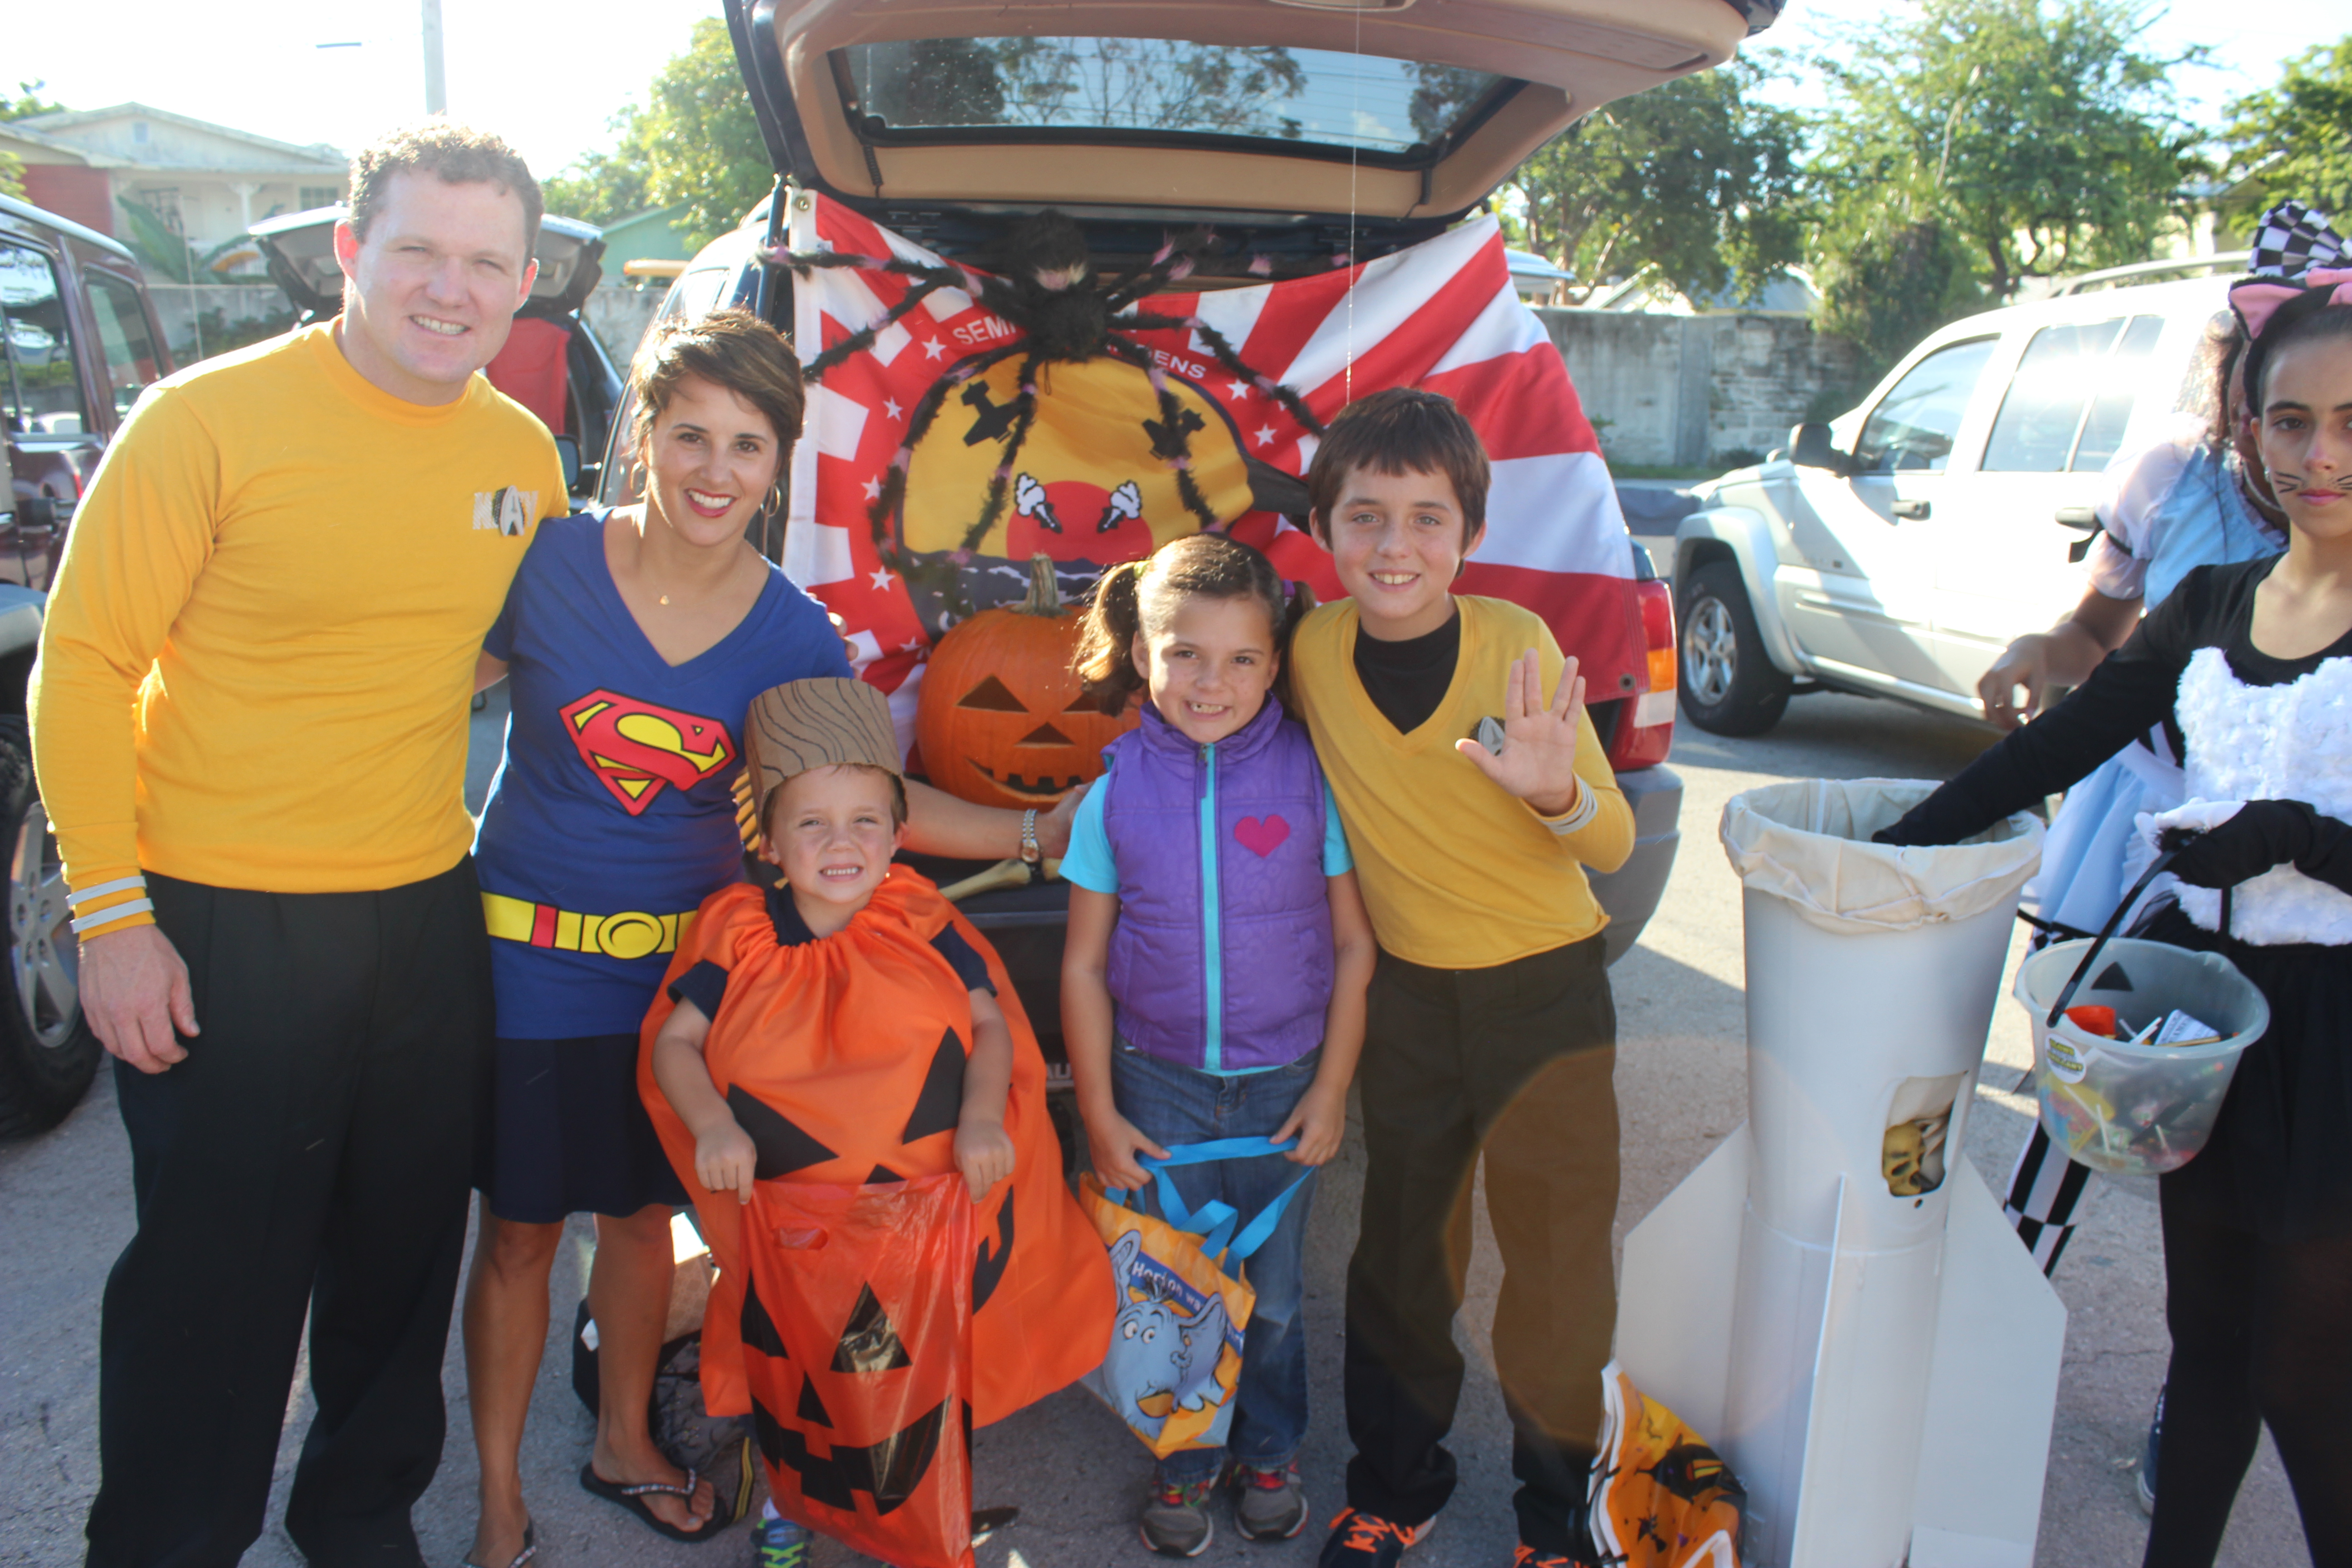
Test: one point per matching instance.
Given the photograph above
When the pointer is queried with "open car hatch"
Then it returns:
(1389, 109)
(299, 248)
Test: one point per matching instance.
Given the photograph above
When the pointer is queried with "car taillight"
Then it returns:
(1648, 733)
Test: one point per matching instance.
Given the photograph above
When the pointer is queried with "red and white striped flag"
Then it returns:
(1441, 315)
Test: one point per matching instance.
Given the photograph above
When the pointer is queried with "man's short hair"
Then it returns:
(459, 155)
(1402, 430)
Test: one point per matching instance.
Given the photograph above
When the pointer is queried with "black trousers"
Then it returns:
(1514, 1063)
(312, 1153)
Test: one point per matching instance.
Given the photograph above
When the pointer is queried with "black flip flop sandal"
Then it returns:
(529, 1550)
(633, 1498)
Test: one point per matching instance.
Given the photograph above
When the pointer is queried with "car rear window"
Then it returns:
(2066, 407)
(925, 88)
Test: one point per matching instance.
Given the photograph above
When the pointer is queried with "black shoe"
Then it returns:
(2146, 1477)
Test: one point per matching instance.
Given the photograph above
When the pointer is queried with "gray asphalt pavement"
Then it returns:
(1065, 1463)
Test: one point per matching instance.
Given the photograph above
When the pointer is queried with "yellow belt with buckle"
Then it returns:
(633, 933)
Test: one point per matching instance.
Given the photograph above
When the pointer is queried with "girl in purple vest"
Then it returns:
(1212, 981)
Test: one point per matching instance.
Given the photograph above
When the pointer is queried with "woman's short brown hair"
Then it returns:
(730, 348)
(1400, 430)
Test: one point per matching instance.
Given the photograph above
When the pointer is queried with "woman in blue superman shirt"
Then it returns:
(634, 640)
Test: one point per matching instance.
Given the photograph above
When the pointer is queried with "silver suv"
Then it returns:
(1896, 551)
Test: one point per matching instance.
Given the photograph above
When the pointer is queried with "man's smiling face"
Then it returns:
(432, 287)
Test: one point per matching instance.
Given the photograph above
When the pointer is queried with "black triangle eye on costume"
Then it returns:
(939, 1103)
(781, 1146)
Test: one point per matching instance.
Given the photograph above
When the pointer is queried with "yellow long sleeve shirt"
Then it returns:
(258, 652)
(1457, 874)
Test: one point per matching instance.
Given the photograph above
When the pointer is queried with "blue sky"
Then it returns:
(550, 77)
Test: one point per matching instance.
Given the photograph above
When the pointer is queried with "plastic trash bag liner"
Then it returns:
(858, 1348)
(1807, 842)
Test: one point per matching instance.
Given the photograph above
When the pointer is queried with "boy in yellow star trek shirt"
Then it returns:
(1491, 1034)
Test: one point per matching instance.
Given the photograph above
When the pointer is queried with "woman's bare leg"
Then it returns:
(628, 1295)
(506, 1330)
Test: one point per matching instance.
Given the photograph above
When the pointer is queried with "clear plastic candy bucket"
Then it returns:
(2135, 1110)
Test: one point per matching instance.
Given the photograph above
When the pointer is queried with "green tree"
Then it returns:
(2295, 139)
(1693, 180)
(28, 102)
(602, 187)
(2017, 138)
(695, 143)
(701, 141)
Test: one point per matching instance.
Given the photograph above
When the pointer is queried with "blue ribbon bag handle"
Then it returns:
(1214, 1221)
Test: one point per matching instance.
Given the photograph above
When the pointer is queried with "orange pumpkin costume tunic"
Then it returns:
(856, 1043)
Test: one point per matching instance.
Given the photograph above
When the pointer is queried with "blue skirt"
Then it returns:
(566, 1134)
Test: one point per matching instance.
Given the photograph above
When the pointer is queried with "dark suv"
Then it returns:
(81, 342)
(944, 125)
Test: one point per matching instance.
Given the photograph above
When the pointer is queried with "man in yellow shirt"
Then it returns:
(1473, 802)
(249, 726)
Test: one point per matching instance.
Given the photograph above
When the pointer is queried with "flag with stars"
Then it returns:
(1087, 487)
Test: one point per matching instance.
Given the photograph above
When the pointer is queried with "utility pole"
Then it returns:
(437, 84)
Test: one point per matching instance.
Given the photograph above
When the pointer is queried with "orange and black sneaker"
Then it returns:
(1529, 1557)
(1360, 1539)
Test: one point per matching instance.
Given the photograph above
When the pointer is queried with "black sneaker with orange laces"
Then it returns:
(1527, 1556)
(1361, 1540)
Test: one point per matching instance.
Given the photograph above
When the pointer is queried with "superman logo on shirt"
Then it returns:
(638, 748)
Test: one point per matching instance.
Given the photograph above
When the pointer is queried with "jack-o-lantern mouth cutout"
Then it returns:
(888, 1470)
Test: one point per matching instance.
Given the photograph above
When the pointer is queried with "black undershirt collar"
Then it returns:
(1407, 680)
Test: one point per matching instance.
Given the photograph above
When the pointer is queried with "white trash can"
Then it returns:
(1872, 975)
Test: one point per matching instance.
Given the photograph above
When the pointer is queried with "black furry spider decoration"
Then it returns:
(1048, 290)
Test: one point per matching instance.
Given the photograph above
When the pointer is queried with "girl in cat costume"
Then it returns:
(2252, 663)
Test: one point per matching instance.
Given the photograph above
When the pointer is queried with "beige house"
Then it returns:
(203, 181)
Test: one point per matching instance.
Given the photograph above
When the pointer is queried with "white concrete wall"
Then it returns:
(1681, 390)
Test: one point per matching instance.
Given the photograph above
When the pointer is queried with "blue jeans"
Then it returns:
(1171, 1105)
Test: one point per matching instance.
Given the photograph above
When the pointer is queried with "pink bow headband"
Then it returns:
(2256, 302)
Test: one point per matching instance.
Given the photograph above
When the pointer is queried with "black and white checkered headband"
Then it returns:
(2291, 239)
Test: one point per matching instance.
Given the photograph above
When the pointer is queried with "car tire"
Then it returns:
(1726, 683)
(47, 1053)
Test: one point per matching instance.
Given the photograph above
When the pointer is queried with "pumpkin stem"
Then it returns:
(1045, 590)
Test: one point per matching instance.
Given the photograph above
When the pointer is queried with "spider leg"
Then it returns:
(1223, 353)
(992, 508)
(863, 338)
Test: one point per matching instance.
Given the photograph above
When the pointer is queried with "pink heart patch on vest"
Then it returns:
(1261, 836)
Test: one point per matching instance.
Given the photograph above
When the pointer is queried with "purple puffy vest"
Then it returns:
(1262, 1003)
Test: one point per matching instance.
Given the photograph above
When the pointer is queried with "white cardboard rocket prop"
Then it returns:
(1833, 1296)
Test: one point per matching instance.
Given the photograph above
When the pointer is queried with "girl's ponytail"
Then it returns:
(1105, 658)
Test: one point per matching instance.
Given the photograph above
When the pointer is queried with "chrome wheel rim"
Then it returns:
(43, 958)
(1710, 651)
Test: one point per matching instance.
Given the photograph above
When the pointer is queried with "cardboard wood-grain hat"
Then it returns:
(820, 722)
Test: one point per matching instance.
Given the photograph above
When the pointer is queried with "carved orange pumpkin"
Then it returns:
(1004, 719)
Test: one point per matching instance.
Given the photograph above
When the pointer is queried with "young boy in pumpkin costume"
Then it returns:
(849, 1028)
